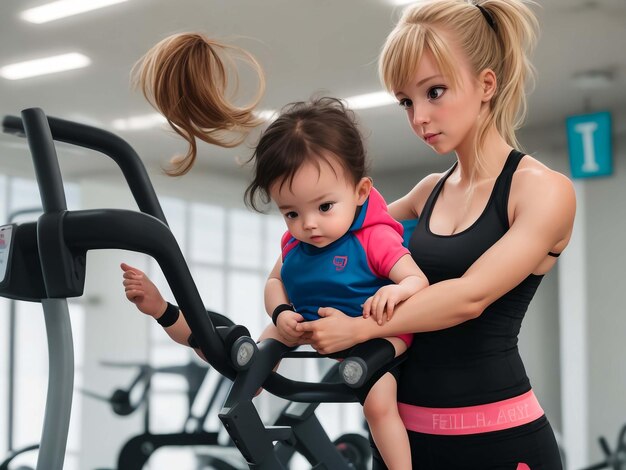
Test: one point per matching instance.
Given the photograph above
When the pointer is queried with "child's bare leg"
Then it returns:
(381, 412)
(398, 344)
(388, 431)
(271, 331)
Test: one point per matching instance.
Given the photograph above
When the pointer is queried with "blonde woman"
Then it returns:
(489, 229)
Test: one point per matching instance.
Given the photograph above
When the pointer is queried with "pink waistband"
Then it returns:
(496, 416)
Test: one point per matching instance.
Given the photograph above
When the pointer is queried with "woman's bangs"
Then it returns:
(401, 56)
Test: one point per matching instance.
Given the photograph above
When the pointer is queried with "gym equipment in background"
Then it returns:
(614, 459)
(210, 453)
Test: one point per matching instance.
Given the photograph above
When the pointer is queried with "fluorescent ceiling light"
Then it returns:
(137, 123)
(148, 121)
(63, 8)
(33, 68)
(594, 79)
(401, 2)
(370, 100)
(269, 115)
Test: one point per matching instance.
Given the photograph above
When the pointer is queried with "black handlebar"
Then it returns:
(105, 142)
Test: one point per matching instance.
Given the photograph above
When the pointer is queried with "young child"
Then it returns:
(341, 250)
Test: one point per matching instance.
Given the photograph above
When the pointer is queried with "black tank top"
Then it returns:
(476, 362)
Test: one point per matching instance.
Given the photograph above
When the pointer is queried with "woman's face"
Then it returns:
(441, 113)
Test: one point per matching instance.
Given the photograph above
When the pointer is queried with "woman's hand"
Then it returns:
(334, 332)
(141, 291)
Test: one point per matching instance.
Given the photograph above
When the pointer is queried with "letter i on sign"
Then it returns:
(589, 144)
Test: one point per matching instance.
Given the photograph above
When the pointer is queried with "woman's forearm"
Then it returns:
(440, 306)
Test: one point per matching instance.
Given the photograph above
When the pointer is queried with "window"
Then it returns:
(228, 253)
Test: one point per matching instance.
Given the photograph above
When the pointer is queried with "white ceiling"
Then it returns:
(306, 47)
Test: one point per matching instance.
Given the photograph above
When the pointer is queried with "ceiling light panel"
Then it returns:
(44, 66)
(268, 115)
(137, 123)
(63, 9)
(149, 121)
(370, 100)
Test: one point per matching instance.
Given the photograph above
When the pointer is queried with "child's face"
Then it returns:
(443, 115)
(320, 205)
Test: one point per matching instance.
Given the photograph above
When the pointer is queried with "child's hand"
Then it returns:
(286, 324)
(142, 292)
(381, 305)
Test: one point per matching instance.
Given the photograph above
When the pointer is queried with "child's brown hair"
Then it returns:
(313, 131)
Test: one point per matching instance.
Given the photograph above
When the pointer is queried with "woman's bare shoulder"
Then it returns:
(411, 205)
(537, 189)
(532, 172)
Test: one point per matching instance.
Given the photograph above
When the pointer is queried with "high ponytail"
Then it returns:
(186, 77)
(517, 30)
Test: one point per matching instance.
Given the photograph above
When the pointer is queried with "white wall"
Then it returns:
(606, 319)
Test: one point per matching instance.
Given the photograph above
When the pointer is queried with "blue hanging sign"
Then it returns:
(589, 142)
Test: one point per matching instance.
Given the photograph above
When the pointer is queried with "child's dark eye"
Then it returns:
(436, 92)
(405, 103)
(326, 206)
(291, 215)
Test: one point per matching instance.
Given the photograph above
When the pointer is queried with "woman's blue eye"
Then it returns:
(405, 103)
(436, 92)
(291, 215)
(326, 206)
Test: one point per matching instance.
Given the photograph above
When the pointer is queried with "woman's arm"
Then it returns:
(410, 205)
(542, 220)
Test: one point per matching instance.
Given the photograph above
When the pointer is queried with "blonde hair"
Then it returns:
(186, 77)
(504, 48)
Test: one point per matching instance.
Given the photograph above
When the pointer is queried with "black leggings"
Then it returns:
(533, 444)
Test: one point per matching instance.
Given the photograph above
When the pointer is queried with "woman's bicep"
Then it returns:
(542, 221)
(402, 209)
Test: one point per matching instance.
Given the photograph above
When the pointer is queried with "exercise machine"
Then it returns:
(46, 262)
(210, 452)
(614, 459)
(12, 452)
(138, 450)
